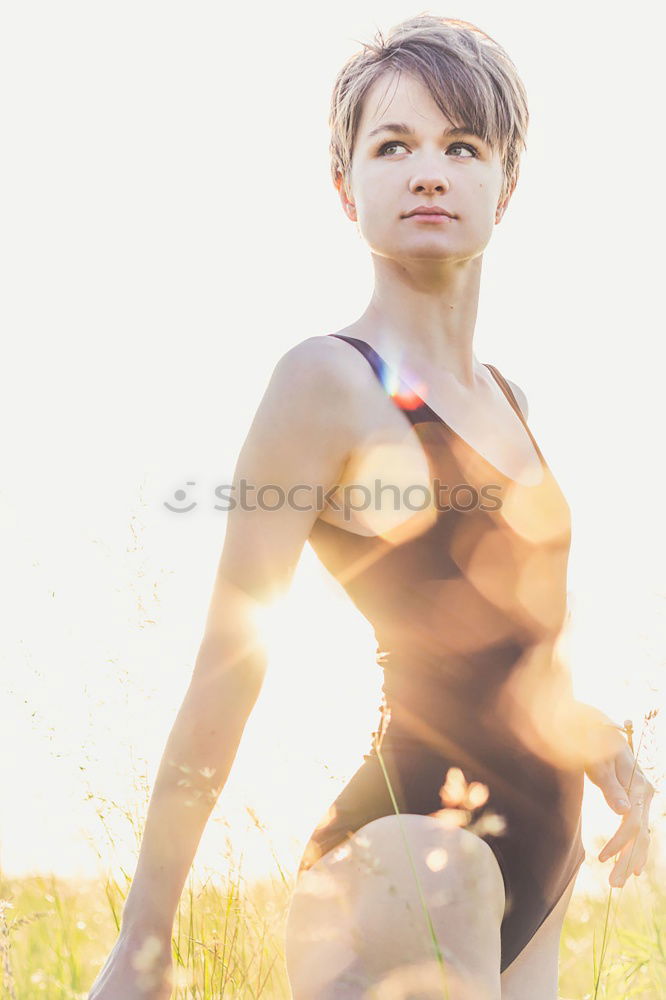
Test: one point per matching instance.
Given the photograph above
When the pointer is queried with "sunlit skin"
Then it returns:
(392, 167)
(427, 275)
(422, 313)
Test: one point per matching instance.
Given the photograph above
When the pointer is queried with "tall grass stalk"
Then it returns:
(378, 738)
(608, 924)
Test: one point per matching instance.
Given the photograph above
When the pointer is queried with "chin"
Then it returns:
(435, 250)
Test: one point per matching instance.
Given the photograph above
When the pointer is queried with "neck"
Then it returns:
(423, 315)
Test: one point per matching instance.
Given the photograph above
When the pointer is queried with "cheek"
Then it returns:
(372, 209)
(485, 204)
(485, 193)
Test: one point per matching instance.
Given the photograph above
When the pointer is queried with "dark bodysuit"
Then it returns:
(473, 602)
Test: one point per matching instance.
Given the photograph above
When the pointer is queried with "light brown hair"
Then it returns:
(471, 78)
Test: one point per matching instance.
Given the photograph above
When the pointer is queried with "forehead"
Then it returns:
(400, 97)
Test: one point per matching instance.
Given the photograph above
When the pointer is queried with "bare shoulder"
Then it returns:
(307, 425)
(520, 396)
(324, 377)
(312, 412)
(324, 359)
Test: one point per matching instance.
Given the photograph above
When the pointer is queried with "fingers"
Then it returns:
(615, 794)
(641, 851)
(632, 841)
(620, 780)
(630, 827)
(608, 776)
(627, 790)
(632, 859)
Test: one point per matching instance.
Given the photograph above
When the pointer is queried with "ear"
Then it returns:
(345, 198)
(502, 205)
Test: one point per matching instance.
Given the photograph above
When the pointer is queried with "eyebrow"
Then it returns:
(402, 128)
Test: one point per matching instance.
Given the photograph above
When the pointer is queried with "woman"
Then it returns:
(462, 574)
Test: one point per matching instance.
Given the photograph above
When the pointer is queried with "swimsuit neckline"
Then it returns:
(436, 418)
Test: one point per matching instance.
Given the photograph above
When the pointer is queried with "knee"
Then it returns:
(318, 946)
(453, 864)
(457, 895)
(474, 870)
(459, 882)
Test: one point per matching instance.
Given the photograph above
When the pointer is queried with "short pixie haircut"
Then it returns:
(471, 78)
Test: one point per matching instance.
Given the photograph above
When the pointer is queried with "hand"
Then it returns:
(622, 781)
(139, 967)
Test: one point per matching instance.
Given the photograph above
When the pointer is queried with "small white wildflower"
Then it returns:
(492, 824)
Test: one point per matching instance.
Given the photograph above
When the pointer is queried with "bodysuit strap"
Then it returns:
(508, 391)
(406, 399)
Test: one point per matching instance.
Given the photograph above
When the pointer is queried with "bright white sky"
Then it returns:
(169, 231)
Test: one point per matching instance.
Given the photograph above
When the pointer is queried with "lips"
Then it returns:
(428, 210)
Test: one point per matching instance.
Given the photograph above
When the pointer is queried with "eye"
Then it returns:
(457, 145)
(464, 145)
(387, 145)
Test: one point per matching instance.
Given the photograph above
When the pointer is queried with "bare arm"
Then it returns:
(302, 434)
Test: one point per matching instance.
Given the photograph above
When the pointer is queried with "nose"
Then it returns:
(429, 180)
(424, 183)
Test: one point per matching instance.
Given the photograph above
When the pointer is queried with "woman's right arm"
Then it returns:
(302, 435)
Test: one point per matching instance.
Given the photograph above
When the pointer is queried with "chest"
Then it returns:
(401, 473)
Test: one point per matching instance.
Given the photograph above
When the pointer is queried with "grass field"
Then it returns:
(228, 936)
(228, 939)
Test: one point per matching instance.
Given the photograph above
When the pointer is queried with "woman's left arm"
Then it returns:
(606, 752)
(541, 707)
(627, 791)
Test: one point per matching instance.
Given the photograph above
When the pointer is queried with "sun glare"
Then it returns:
(269, 621)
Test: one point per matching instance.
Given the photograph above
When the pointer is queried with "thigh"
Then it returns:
(320, 944)
(356, 920)
(534, 973)
(417, 880)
